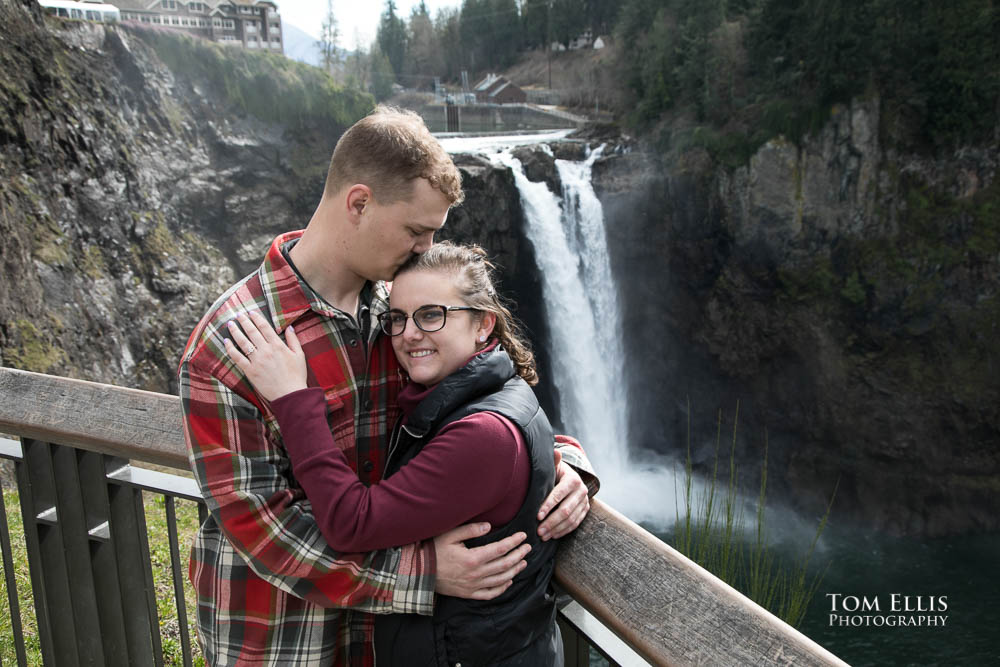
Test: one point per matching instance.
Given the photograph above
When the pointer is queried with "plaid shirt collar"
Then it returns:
(288, 297)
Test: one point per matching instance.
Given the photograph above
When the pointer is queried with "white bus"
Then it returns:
(87, 11)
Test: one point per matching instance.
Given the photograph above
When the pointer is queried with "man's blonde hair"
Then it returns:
(387, 151)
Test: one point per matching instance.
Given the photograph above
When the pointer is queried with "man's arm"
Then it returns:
(243, 476)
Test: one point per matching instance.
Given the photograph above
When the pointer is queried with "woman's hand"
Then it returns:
(274, 369)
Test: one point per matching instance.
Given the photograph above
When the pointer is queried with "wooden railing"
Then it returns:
(635, 600)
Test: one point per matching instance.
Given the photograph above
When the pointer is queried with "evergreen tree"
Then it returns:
(382, 75)
(535, 23)
(357, 65)
(391, 36)
(601, 15)
(474, 28)
(327, 43)
(567, 20)
(504, 32)
(447, 27)
(424, 57)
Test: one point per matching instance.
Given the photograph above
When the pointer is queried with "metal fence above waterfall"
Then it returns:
(634, 599)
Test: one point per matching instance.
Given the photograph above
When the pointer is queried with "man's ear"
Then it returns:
(359, 197)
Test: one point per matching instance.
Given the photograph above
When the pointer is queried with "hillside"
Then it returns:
(583, 77)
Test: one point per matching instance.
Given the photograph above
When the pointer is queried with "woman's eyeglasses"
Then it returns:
(428, 318)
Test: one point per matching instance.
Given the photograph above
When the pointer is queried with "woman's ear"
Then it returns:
(486, 325)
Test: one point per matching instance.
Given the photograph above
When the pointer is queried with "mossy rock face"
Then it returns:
(29, 349)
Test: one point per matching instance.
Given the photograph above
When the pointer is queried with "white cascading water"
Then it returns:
(581, 301)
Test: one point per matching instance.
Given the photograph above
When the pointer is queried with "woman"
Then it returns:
(472, 445)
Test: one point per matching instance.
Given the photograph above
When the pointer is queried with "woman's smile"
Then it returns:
(429, 357)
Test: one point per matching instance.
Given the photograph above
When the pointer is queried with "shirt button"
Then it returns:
(369, 404)
(353, 342)
(368, 466)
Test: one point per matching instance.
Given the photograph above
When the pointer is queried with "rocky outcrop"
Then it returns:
(845, 293)
(134, 192)
(131, 198)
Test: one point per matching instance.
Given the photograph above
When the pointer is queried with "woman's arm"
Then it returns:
(471, 468)
(465, 471)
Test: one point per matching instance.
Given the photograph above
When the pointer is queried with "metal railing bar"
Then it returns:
(10, 449)
(50, 560)
(607, 643)
(157, 482)
(78, 562)
(94, 492)
(576, 650)
(11, 581)
(175, 567)
(146, 557)
(38, 591)
(132, 560)
(49, 516)
(100, 532)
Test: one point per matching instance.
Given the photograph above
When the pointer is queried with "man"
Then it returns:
(270, 590)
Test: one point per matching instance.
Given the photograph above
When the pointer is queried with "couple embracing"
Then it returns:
(381, 482)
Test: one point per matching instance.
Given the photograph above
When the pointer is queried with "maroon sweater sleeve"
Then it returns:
(476, 468)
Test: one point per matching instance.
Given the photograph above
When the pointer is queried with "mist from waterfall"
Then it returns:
(581, 301)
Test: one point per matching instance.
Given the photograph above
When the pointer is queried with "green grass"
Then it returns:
(26, 601)
(712, 531)
(159, 548)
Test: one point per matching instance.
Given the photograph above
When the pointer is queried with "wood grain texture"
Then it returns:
(671, 611)
(124, 422)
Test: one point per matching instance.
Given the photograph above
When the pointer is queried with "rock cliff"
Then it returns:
(845, 292)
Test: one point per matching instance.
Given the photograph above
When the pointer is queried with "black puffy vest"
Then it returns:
(518, 627)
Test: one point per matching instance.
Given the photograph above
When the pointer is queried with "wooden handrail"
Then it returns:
(666, 607)
(130, 423)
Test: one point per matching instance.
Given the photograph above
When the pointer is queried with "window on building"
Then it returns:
(169, 4)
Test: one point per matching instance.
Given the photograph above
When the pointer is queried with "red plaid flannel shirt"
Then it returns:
(270, 590)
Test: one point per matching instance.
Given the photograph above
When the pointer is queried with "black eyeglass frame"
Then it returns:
(383, 318)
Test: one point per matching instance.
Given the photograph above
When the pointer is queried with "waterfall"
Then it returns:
(581, 302)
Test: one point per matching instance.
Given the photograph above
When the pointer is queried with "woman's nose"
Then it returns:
(411, 331)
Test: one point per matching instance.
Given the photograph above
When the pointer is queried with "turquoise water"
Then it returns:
(874, 567)
(963, 570)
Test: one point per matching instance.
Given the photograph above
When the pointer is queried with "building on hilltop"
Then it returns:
(495, 89)
(252, 24)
